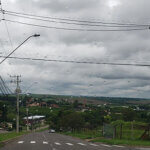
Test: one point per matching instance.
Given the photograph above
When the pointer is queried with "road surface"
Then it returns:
(54, 141)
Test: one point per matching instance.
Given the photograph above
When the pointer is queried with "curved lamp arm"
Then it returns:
(35, 35)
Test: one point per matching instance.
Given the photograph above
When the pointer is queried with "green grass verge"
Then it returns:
(123, 142)
(95, 136)
(10, 135)
(84, 135)
(127, 134)
(44, 129)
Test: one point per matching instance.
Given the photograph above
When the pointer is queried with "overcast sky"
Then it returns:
(71, 78)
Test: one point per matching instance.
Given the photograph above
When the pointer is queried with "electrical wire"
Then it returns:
(78, 62)
(72, 23)
(2, 46)
(7, 90)
(77, 20)
(6, 25)
(76, 29)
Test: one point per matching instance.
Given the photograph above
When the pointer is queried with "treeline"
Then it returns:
(70, 120)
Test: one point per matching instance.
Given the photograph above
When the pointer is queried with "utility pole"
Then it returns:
(27, 121)
(17, 91)
(27, 113)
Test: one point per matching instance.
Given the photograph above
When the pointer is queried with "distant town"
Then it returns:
(73, 113)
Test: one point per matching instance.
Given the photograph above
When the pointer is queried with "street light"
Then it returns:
(17, 116)
(34, 35)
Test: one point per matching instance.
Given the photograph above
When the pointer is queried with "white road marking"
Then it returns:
(44, 142)
(20, 142)
(81, 144)
(106, 145)
(118, 146)
(32, 142)
(93, 144)
(70, 144)
(57, 143)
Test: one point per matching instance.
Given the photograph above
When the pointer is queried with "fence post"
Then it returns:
(103, 129)
(114, 134)
(121, 131)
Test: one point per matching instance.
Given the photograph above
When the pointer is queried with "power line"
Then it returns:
(8, 35)
(78, 62)
(73, 23)
(77, 20)
(6, 25)
(3, 87)
(76, 29)
(2, 45)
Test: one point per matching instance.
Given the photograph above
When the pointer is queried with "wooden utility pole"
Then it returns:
(17, 91)
(27, 110)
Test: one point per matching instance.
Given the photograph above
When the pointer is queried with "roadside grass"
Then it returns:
(84, 134)
(128, 138)
(122, 142)
(44, 129)
(10, 135)
(1, 145)
(129, 135)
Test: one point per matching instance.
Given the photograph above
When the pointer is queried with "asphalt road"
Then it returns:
(54, 141)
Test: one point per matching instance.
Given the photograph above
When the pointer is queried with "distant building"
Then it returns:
(43, 104)
(10, 125)
(34, 104)
(34, 120)
(54, 106)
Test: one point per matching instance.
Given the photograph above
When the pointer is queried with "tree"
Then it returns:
(129, 114)
(95, 118)
(3, 109)
(75, 104)
(73, 121)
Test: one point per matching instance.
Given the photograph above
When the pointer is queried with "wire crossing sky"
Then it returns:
(126, 26)
(79, 62)
(75, 20)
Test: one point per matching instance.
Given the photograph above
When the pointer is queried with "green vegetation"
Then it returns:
(90, 134)
(122, 142)
(110, 120)
(44, 129)
(10, 135)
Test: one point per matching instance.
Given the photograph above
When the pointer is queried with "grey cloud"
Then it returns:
(80, 79)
